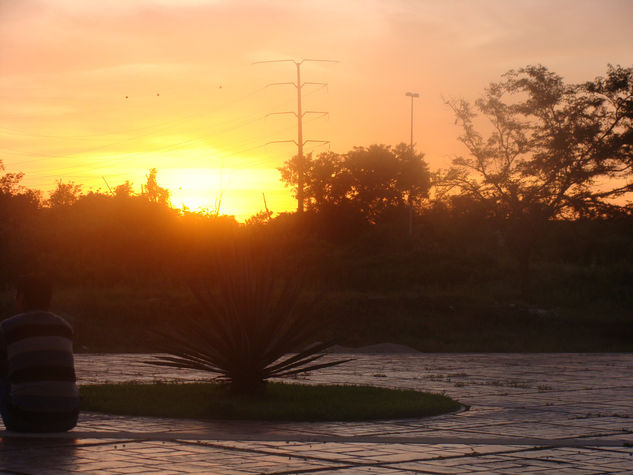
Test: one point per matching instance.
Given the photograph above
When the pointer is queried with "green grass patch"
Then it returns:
(280, 402)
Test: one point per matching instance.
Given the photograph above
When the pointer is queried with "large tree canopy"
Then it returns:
(550, 149)
(372, 180)
(14, 197)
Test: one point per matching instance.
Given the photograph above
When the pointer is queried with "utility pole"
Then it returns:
(299, 142)
(412, 95)
(300, 171)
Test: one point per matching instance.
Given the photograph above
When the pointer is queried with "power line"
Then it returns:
(93, 171)
(299, 114)
(238, 123)
(171, 146)
(152, 127)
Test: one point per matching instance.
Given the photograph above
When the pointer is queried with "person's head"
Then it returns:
(33, 292)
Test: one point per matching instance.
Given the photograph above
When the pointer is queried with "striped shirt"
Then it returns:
(38, 352)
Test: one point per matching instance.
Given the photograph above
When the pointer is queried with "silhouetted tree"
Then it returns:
(153, 191)
(65, 194)
(10, 182)
(260, 218)
(372, 181)
(549, 144)
(124, 190)
(611, 128)
(11, 189)
(323, 181)
(18, 208)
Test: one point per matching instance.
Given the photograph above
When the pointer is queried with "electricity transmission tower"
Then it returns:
(412, 95)
(299, 114)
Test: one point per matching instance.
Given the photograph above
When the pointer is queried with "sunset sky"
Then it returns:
(106, 90)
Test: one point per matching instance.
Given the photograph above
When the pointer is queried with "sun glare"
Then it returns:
(236, 192)
(99, 95)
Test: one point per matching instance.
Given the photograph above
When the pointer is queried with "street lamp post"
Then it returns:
(412, 95)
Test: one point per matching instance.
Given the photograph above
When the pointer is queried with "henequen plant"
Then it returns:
(252, 326)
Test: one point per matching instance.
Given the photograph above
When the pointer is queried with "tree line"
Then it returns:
(540, 151)
(538, 148)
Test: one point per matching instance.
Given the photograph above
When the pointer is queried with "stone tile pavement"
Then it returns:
(529, 413)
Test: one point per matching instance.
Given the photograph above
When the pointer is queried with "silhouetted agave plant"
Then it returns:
(251, 328)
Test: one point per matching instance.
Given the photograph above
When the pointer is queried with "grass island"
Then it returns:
(279, 402)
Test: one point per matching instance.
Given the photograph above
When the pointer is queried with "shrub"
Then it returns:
(252, 326)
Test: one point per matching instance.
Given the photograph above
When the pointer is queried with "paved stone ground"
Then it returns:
(543, 413)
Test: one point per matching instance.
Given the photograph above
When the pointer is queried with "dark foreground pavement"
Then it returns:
(563, 413)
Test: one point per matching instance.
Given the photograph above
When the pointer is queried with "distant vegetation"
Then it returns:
(525, 243)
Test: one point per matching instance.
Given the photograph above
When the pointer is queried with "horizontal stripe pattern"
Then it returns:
(49, 404)
(33, 318)
(40, 421)
(40, 363)
(33, 330)
(43, 373)
(39, 343)
(53, 389)
(35, 358)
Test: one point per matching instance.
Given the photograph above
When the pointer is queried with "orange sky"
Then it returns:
(196, 106)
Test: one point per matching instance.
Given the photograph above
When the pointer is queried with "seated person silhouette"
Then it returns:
(37, 374)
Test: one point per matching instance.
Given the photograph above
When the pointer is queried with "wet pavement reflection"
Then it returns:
(530, 413)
